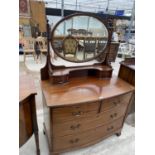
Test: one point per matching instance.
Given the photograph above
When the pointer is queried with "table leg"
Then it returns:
(37, 142)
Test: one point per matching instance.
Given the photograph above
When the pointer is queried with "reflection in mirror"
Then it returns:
(79, 38)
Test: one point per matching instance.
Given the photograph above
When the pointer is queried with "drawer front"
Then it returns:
(60, 115)
(78, 140)
(116, 101)
(81, 125)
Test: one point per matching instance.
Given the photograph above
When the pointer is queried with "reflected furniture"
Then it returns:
(27, 111)
(127, 73)
(70, 45)
(111, 54)
(42, 44)
(89, 47)
(83, 104)
(28, 47)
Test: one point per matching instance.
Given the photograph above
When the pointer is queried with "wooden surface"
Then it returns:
(111, 54)
(86, 122)
(25, 122)
(27, 111)
(127, 73)
(84, 110)
(87, 109)
(88, 89)
(26, 86)
(77, 140)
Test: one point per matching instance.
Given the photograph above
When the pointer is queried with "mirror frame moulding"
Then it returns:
(103, 21)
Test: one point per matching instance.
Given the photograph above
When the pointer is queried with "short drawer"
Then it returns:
(72, 112)
(115, 101)
(86, 123)
(89, 136)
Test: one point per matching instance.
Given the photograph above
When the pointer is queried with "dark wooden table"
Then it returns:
(27, 111)
(127, 73)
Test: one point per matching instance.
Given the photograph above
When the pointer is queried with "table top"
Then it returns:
(26, 86)
(128, 65)
(82, 90)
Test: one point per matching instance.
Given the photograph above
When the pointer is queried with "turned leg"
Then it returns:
(44, 132)
(37, 142)
(35, 125)
(118, 134)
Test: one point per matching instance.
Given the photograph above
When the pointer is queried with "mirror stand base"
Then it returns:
(60, 76)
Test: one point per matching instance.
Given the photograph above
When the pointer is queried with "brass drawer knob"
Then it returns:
(78, 113)
(116, 103)
(113, 115)
(73, 127)
(74, 141)
(110, 128)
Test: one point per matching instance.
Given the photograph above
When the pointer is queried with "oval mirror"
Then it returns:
(79, 38)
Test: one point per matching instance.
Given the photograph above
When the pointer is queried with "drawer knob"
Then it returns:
(73, 127)
(113, 115)
(110, 128)
(74, 141)
(115, 103)
(76, 113)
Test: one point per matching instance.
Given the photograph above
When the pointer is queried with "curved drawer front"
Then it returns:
(115, 101)
(83, 139)
(96, 120)
(61, 115)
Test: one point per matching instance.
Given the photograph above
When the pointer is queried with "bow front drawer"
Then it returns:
(115, 101)
(87, 137)
(81, 125)
(72, 112)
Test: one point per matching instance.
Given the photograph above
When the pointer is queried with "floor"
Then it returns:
(123, 145)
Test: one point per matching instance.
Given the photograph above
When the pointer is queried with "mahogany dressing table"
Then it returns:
(83, 104)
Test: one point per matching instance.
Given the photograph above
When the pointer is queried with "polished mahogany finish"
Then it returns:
(82, 105)
(127, 70)
(27, 111)
(127, 73)
(87, 109)
(64, 75)
(80, 90)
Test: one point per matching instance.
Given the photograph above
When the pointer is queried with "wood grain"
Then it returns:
(26, 86)
(79, 125)
(89, 89)
(77, 140)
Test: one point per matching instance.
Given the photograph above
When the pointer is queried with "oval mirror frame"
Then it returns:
(103, 22)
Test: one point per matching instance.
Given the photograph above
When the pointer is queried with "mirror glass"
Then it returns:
(79, 38)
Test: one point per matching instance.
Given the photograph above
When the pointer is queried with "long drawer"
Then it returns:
(61, 115)
(115, 101)
(77, 140)
(96, 120)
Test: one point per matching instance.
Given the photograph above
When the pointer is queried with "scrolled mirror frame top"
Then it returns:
(88, 40)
